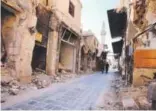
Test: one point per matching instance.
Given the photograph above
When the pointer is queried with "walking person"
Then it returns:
(102, 66)
(107, 67)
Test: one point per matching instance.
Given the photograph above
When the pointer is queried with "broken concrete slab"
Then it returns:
(143, 103)
(41, 81)
(129, 103)
(14, 91)
(5, 79)
(14, 84)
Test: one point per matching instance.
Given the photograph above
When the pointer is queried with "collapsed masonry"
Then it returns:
(33, 37)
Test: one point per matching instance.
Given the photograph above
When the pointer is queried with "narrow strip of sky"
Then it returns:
(94, 12)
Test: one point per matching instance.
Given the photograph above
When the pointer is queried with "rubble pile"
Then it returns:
(131, 97)
(63, 69)
(38, 77)
(117, 84)
(138, 95)
(9, 86)
(41, 80)
(64, 77)
(126, 97)
(111, 102)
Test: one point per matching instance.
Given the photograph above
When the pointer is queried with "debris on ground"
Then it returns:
(111, 100)
(13, 91)
(12, 87)
(5, 79)
(41, 80)
(63, 69)
(123, 97)
(143, 103)
(137, 94)
(129, 103)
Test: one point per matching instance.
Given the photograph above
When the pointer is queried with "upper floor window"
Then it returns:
(71, 8)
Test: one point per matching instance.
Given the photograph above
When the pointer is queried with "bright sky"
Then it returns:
(94, 13)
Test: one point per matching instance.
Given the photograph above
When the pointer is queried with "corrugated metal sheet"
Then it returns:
(117, 47)
(117, 23)
(145, 59)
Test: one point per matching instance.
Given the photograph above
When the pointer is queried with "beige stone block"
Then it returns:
(138, 80)
(25, 79)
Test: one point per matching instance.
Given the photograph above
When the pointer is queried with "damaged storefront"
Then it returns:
(36, 38)
(41, 38)
(57, 45)
(68, 50)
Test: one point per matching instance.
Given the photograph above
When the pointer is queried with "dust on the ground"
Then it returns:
(110, 99)
(123, 97)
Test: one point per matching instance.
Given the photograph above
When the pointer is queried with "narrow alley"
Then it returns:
(78, 54)
(81, 93)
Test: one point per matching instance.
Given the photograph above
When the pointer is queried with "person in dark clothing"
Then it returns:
(102, 66)
(107, 67)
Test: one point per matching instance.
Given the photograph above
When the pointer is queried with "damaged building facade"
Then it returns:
(139, 44)
(40, 35)
(18, 30)
(63, 42)
(89, 51)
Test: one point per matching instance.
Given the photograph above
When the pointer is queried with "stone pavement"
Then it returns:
(82, 93)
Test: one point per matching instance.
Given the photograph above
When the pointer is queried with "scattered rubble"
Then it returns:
(12, 87)
(111, 100)
(14, 84)
(14, 91)
(41, 80)
(129, 103)
(143, 103)
(3, 99)
(137, 95)
(4, 89)
(5, 79)
(125, 97)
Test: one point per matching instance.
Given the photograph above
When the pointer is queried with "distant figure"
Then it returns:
(102, 66)
(107, 67)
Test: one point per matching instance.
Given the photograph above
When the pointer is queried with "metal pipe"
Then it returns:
(148, 29)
